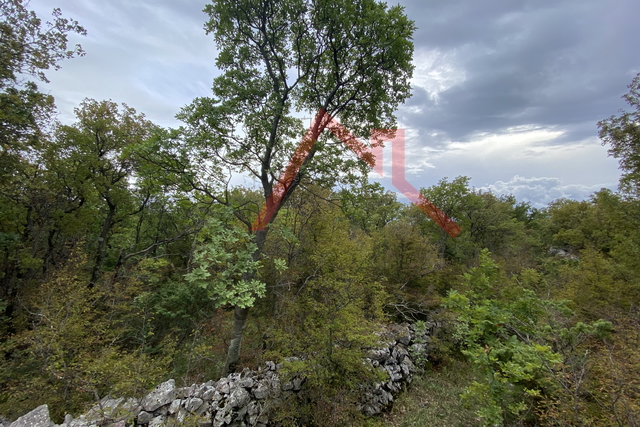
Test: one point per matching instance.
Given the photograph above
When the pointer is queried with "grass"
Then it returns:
(433, 399)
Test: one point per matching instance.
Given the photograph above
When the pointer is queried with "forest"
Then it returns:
(128, 256)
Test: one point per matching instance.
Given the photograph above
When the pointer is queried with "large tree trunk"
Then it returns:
(240, 316)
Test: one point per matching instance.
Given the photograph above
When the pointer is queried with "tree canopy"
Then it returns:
(622, 133)
(283, 59)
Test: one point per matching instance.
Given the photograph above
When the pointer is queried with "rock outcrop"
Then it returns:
(244, 399)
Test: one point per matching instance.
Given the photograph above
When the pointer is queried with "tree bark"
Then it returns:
(240, 316)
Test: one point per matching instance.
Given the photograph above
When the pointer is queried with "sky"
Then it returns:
(507, 92)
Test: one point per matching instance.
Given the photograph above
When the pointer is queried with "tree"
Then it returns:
(98, 149)
(369, 206)
(349, 59)
(453, 198)
(27, 48)
(622, 133)
(330, 313)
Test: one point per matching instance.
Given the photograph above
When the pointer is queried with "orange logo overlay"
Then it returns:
(373, 157)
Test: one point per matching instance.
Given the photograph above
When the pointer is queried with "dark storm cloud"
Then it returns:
(545, 63)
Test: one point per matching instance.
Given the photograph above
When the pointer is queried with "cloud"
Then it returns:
(153, 55)
(539, 191)
(515, 63)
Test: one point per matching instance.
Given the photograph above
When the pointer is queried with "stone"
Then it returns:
(68, 418)
(223, 386)
(211, 394)
(187, 391)
(163, 394)
(238, 398)
(81, 421)
(393, 386)
(400, 333)
(109, 406)
(144, 417)
(193, 405)
(247, 382)
(39, 417)
(223, 416)
(175, 406)
(157, 421)
(368, 410)
(129, 408)
(205, 420)
(260, 391)
(161, 410)
(241, 413)
(378, 354)
(181, 415)
(399, 352)
(253, 408)
(407, 367)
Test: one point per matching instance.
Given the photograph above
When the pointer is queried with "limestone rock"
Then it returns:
(247, 382)
(260, 391)
(175, 406)
(210, 394)
(144, 417)
(194, 405)
(223, 386)
(378, 354)
(239, 398)
(157, 421)
(164, 394)
(39, 417)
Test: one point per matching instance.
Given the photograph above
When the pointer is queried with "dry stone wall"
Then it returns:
(246, 398)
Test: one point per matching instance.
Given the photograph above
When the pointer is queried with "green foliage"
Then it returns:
(77, 348)
(369, 206)
(402, 254)
(283, 57)
(499, 223)
(526, 346)
(223, 261)
(27, 48)
(329, 321)
(622, 133)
